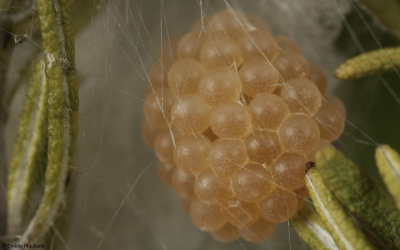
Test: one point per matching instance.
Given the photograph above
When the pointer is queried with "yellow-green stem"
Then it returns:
(369, 63)
(58, 47)
(388, 162)
(30, 148)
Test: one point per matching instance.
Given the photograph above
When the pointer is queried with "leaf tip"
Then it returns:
(342, 72)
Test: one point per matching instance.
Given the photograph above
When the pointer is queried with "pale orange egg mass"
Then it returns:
(234, 113)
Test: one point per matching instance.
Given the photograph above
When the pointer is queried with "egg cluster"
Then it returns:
(233, 114)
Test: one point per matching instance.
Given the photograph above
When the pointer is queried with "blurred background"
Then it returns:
(117, 200)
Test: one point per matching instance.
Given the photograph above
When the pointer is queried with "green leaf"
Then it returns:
(29, 155)
(311, 228)
(388, 162)
(356, 191)
(58, 47)
(337, 221)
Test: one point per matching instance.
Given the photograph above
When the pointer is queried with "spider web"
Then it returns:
(117, 200)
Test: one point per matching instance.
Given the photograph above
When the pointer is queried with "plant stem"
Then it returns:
(58, 46)
(388, 162)
(28, 161)
(369, 63)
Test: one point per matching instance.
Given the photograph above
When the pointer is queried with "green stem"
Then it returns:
(58, 46)
(388, 162)
(369, 63)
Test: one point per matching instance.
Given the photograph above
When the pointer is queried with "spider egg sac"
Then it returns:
(233, 113)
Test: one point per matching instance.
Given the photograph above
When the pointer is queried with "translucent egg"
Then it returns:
(321, 144)
(157, 107)
(286, 44)
(229, 22)
(279, 207)
(200, 25)
(189, 46)
(330, 122)
(186, 204)
(149, 133)
(337, 103)
(258, 76)
(184, 76)
(262, 146)
(163, 146)
(268, 111)
(165, 173)
(227, 156)
(300, 204)
(258, 23)
(258, 43)
(220, 51)
(259, 231)
(230, 120)
(288, 171)
(302, 96)
(252, 183)
(219, 86)
(303, 192)
(302, 196)
(299, 134)
(182, 183)
(191, 153)
(191, 114)
(206, 217)
(228, 233)
(318, 77)
(167, 50)
(241, 214)
(158, 76)
(291, 65)
(213, 189)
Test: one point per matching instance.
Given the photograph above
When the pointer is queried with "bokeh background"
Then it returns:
(117, 200)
